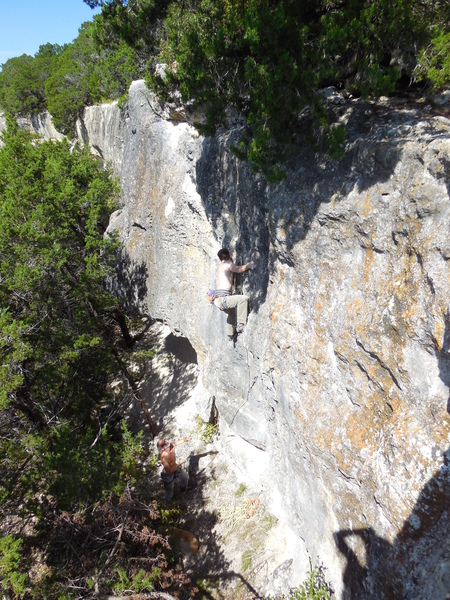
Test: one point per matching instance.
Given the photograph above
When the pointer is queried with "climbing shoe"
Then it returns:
(240, 327)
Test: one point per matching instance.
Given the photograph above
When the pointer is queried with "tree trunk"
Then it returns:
(120, 318)
(136, 392)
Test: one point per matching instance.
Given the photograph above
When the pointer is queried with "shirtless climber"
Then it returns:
(222, 295)
(171, 468)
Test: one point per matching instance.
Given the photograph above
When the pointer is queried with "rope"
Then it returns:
(253, 502)
(232, 516)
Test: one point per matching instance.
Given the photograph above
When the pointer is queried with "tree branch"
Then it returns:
(135, 389)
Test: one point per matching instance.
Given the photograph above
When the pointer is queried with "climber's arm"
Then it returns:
(241, 268)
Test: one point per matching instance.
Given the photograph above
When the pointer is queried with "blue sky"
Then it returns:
(27, 24)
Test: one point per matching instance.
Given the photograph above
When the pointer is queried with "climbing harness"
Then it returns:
(213, 294)
(253, 502)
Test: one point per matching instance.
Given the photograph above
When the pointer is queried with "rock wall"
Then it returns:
(336, 397)
(41, 124)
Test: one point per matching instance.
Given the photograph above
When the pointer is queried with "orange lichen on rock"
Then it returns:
(365, 205)
(276, 312)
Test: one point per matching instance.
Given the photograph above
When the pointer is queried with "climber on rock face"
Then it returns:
(171, 468)
(223, 297)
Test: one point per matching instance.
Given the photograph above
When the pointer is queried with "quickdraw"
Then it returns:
(254, 502)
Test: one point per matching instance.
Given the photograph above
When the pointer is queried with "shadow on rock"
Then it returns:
(417, 564)
(171, 377)
(263, 221)
(181, 349)
(210, 568)
(443, 356)
(129, 285)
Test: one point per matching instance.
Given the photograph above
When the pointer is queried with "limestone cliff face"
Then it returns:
(336, 397)
(41, 124)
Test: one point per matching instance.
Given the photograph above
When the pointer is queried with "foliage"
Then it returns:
(434, 61)
(207, 432)
(11, 578)
(246, 560)
(170, 515)
(355, 38)
(141, 582)
(79, 473)
(113, 547)
(258, 60)
(59, 326)
(88, 72)
(68, 471)
(265, 60)
(55, 312)
(86, 518)
(64, 79)
(240, 56)
(22, 80)
(74, 83)
(137, 22)
(241, 489)
(314, 587)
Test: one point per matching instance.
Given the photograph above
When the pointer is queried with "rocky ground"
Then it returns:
(241, 551)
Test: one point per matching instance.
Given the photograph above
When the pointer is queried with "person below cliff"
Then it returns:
(223, 298)
(171, 468)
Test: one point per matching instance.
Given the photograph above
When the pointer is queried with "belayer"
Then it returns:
(172, 468)
(236, 306)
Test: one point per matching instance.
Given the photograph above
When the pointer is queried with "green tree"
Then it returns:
(97, 66)
(88, 72)
(63, 474)
(266, 60)
(16, 87)
(140, 23)
(11, 577)
(433, 62)
(54, 211)
(74, 83)
(22, 80)
(118, 63)
(357, 40)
